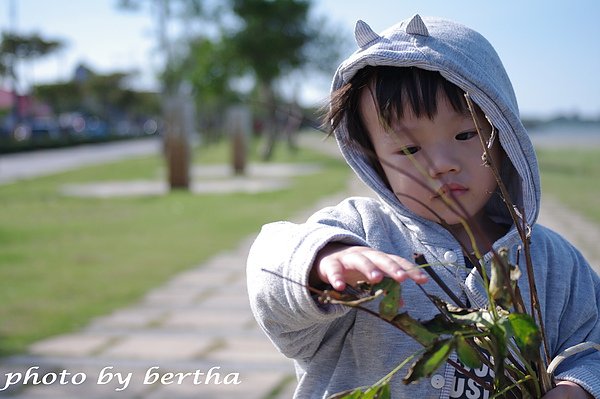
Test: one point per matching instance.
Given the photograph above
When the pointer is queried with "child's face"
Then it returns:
(446, 158)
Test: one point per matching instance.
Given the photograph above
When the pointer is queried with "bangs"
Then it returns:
(395, 90)
(398, 90)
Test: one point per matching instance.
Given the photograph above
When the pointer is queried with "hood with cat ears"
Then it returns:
(463, 57)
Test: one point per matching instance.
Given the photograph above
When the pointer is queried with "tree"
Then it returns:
(165, 11)
(257, 41)
(25, 47)
(274, 38)
(176, 141)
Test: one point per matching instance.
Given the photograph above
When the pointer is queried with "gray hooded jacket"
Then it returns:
(337, 348)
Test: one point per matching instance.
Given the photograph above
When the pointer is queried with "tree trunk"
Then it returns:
(270, 129)
(176, 141)
(239, 126)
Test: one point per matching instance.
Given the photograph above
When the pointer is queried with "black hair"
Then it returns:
(394, 90)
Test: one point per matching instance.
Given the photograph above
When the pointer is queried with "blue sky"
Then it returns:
(549, 48)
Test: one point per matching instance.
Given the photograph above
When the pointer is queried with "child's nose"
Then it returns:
(441, 162)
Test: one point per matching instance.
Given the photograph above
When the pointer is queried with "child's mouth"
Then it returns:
(450, 190)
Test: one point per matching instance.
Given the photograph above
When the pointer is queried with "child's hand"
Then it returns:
(567, 390)
(338, 265)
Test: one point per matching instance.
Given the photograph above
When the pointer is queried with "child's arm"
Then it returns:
(280, 301)
(339, 264)
(282, 305)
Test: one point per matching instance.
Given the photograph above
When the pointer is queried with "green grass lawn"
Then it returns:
(572, 176)
(65, 260)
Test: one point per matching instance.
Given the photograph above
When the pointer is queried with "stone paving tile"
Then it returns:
(229, 289)
(131, 317)
(229, 261)
(232, 299)
(76, 344)
(248, 349)
(207, 318)
(219, 302)
(159, 347)
(205, 277)
(170, 296)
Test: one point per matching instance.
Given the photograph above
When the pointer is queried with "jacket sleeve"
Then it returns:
(280, 301)
(573, 314)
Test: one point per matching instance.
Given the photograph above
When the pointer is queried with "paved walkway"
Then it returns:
(189, 338)
(190, 326)
(26, 165)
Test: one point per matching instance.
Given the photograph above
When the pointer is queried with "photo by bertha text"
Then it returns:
(122, 379)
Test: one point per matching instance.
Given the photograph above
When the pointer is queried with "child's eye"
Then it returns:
(465, 136)
(409, 150)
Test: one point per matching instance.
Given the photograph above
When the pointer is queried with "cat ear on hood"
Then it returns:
(364, 35)
(416, 26)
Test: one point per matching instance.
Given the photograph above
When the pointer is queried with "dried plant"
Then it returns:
(505, 335)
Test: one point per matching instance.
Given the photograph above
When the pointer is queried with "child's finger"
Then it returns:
(362, 268)
(413, 272)
(399, 268)
(333, 272)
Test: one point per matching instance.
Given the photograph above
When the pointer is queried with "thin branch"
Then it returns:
(421, 261)
(523, 232)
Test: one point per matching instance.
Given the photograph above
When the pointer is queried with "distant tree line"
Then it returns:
(227, 51)
(106, 96)
(87, 107)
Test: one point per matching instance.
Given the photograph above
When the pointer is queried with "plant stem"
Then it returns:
(524, 233)
(508, 388)
(389, 375)
(421, 261)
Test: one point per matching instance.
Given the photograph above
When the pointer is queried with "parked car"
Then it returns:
(79, 126)
(44, 128)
